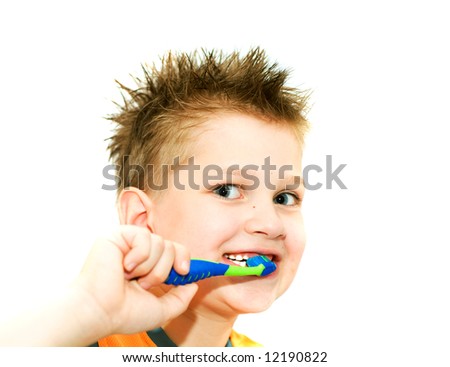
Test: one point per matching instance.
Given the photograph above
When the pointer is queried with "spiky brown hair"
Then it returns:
(156, 120)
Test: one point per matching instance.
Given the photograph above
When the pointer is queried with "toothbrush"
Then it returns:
(202, 269)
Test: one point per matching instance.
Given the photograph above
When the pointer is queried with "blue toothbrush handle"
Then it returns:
(199, 269)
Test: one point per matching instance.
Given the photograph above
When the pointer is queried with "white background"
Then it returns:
(373, 286)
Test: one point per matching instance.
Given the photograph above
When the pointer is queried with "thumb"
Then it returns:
(177, 300)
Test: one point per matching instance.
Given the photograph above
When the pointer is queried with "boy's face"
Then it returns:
(250, 212)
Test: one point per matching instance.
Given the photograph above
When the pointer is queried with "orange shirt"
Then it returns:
(143, 340)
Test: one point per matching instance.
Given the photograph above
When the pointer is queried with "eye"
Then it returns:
(287, 198)
(227, 191)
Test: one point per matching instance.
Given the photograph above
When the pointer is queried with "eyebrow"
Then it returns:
(290, 179)
(295, 181)
(227, 170)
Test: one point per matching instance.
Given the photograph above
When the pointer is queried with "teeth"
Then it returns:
(240, 263)
(241, 260)
(237, 259)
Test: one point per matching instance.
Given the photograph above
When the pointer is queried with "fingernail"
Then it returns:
(185, 266)
(130, 266)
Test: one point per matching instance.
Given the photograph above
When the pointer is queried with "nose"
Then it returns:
(265, 221)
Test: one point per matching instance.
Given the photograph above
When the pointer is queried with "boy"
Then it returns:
(208, 155)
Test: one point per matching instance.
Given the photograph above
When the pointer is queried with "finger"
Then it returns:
(176, 301)
(163, 308)
(182, 259)
(127, 237)
(161, 270)
(142, 259)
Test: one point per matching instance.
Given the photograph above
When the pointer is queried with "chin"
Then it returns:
(238, 296)
(254, 306)
(252, 299)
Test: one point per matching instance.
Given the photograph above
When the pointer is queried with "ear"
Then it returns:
(135, 207)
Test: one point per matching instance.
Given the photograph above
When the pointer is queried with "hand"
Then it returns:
(118, 273)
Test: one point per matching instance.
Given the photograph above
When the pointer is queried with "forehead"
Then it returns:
(238, 139)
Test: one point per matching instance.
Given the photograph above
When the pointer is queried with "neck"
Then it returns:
(197, 329)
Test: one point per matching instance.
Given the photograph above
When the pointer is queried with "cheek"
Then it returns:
(201, 226)
(295, 245)
(211, 228)
(296, 241)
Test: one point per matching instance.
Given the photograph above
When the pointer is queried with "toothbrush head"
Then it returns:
(268, 266)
